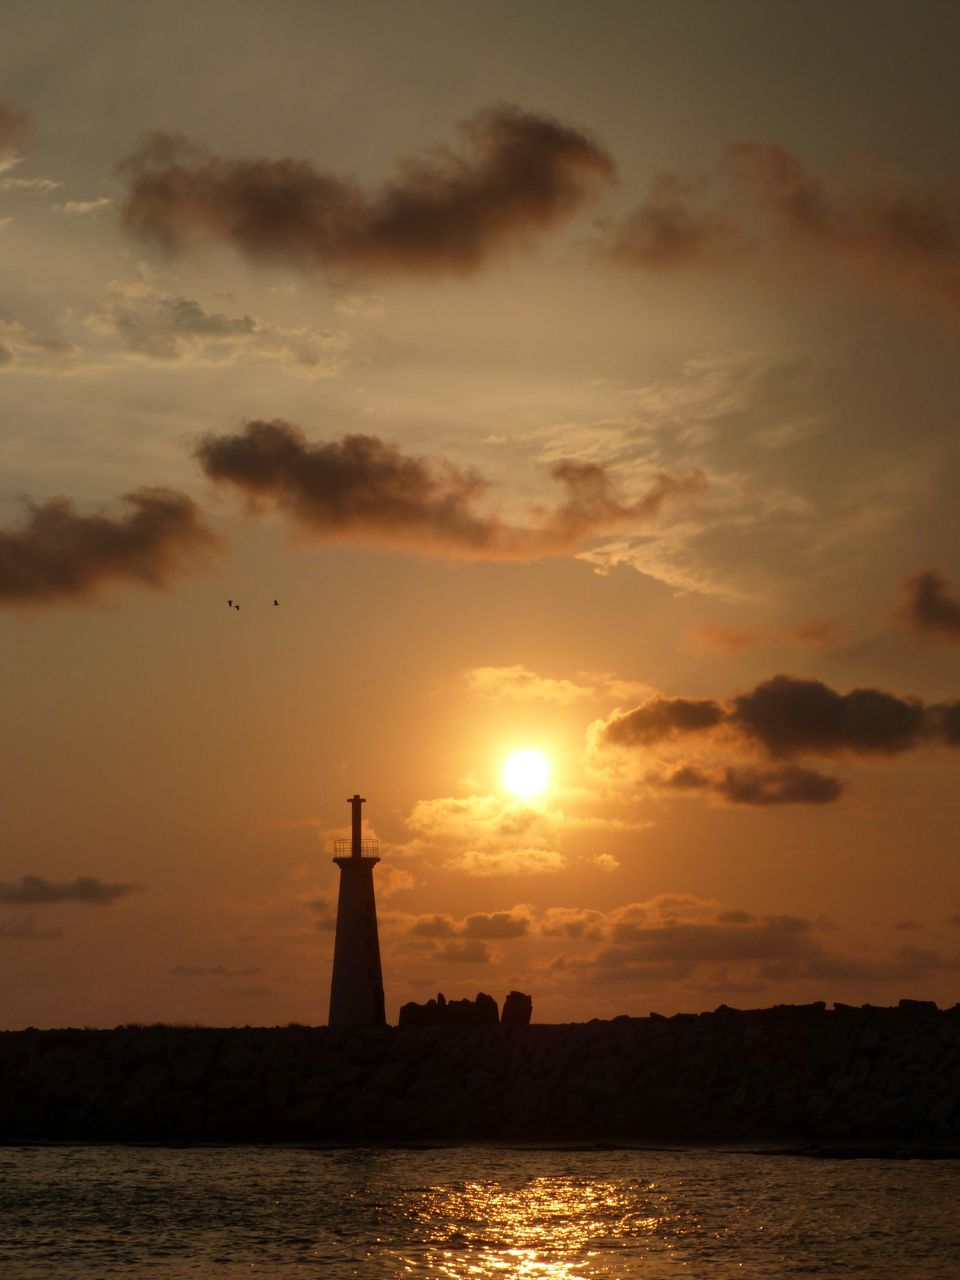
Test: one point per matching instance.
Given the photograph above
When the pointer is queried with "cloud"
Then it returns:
(59, 554)
(789, 716)
(26, 930)
(931, 603)
(517, 860)
(24, 348)
(893, 230)
(680, 937)
(494, 683)
(168, 328)
(786, 717)
(489, 926)
(89, 890)
(660, 718)
(212, 971)
(360, 487)
(14, 124)
(435, 926)
(325, 911)
(392, 880)
(749, 785)
(671, 229)
(469, 951)
(496, 925)
(788, 784)
(486, 835)
(571, 922)
(75, 208)
(445, 212)
(716, 638)
(41, 185)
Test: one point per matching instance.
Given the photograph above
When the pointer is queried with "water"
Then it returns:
(83, 1212)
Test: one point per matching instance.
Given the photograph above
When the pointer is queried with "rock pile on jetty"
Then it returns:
(482, 1012)
(790, 1074)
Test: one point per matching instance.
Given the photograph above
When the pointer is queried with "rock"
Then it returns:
(919, 1006)
(517, 1009)
(453, 1013)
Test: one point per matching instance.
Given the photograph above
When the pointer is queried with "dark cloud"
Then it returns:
(487, 925)
(572, 922)
(445, 213)
(945, 722)
(686, 777)
(60, 554)
(495, 925)
(469, 951)
(35, 890)
(14, 123)
(788, 717)
(672, 228)
(363, 488)
(747, 784)
(907, 964)
(675, 950)
(660, 718)
(788, 784)
(26, 930)
(433, 927)
(901, 233)
(931, 603)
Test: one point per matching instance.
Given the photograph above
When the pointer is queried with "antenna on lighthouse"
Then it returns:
(356, 986)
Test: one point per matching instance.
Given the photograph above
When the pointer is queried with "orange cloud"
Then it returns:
(900, 233)
(14, 123)
(717, 638)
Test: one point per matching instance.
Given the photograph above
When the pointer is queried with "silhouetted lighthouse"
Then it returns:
(356, 988)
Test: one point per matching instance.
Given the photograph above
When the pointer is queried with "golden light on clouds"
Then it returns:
(526, 773)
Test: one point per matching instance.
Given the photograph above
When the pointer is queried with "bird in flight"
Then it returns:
(229, 604)
(276, 602)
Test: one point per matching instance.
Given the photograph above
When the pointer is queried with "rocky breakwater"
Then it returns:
(796, 1074)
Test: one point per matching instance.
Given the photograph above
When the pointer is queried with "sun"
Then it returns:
(526, 773)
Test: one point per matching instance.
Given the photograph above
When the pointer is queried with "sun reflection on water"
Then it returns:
(545, 1228)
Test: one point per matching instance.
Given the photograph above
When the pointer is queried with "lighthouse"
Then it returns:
(356, 988)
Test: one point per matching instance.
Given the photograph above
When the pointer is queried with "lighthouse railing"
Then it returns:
(368, 848)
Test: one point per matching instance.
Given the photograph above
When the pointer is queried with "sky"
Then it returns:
(577, 378)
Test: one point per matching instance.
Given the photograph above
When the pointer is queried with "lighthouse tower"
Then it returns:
(356, 988)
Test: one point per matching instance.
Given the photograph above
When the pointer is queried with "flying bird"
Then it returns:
(229, 604)
(276, 602)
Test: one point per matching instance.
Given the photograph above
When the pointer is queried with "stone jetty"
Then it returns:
(793, 1075)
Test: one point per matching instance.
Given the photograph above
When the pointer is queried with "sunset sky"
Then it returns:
(579, 378)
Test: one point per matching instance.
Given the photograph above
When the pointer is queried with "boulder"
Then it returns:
(452, 1013)
(517, 1009)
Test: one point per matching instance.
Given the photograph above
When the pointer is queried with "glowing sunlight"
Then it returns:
(526, 773)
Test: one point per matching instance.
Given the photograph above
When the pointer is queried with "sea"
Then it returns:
(72, 1212)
